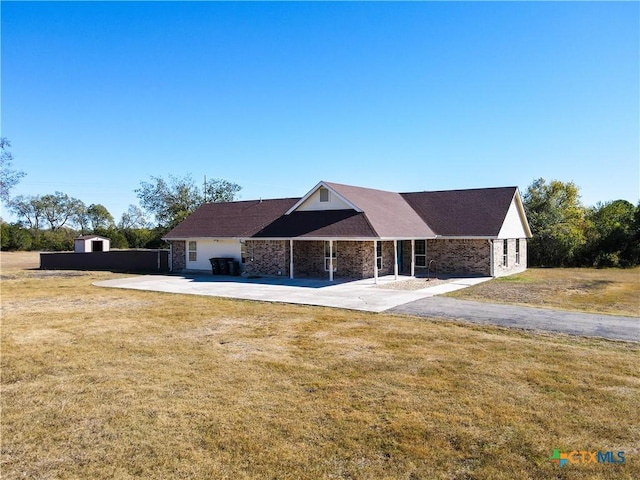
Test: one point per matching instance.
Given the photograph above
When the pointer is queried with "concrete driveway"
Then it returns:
(365, 295)
(527, 318)
(353, 295)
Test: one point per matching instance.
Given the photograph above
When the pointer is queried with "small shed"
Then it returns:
(91, 243)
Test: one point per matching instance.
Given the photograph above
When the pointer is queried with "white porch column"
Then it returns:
(331, 260)
(375, 262)
(395, 259)
(413, 258)
(291, 258)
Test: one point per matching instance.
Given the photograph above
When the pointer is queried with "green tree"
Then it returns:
(14, 237)
(58, 209)
(173, 200)
(219, 190)
(609, 233)
(9, 177)
(99, 216)
(29, 209)
(133, 218)
(557, 221)
(117, 237)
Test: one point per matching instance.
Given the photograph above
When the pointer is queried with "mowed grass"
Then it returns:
(613, 291)
(102, 383)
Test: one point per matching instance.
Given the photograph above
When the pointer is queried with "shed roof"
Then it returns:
(89, 237)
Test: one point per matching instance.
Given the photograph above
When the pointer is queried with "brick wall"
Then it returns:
(308, 259)
(267, 257)
(354, 259)
(459, 257)
(511, 267)
(178, 255)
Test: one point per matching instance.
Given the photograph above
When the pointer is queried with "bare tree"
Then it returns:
(8, 177)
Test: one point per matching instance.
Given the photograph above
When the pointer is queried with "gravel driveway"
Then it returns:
(528, 318)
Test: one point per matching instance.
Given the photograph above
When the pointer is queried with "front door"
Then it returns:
(400, 269)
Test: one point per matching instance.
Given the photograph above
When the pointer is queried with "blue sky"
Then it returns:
(99, 96)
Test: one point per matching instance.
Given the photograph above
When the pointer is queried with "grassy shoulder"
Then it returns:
(611, 291)
(103, 383)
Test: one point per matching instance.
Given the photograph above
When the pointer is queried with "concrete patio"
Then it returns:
(354, 295)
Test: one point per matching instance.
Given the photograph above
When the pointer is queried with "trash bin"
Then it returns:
(234, 268)
(223, 264)
(215, 266)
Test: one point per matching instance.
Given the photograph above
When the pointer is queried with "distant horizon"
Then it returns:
(97, 97)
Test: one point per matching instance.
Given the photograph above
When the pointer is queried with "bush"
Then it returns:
(14, 237)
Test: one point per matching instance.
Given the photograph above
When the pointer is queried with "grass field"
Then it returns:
(611, 291)
(104, 383)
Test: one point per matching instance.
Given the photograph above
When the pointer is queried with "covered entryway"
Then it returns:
(351, 259)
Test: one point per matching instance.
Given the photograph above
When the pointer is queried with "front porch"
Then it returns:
(359, 259)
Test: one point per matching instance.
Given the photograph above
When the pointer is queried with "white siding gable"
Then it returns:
(513, 226)
(314, 203)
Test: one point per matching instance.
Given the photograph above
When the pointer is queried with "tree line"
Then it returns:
(50, 222)
(568, 234)
(565, 232)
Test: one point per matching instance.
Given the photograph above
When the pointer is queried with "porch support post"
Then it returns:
(413, 258)
(395, 259)
(291, 258)
(331, 260)
(375, 262)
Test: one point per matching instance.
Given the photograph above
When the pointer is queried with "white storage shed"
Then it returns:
(91, 243)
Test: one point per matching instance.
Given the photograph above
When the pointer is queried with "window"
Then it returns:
(327, 256)
(324, 195)
(421, 253)
(243, 251)
(505, 253)
(193, 251)
(379, 254)
(517, 251)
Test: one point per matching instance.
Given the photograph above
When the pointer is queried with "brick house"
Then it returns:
(353, 232)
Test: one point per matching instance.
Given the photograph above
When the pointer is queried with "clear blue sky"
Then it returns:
(97, 97)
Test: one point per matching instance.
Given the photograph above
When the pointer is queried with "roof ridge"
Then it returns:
(461, 190)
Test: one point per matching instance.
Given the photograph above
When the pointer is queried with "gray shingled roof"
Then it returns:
(389, 214)
(231, 219)
(473, 213)
(322, 223)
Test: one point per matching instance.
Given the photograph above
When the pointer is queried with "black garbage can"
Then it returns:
(234, 268)
(224, 265)
(215, 266)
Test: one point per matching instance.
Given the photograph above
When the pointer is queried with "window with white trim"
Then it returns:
(517, 251)
(505, 253)
(243, 251)
(193, 251)
(328, 254)
(379, 254)
(324, 195)
(420, 254)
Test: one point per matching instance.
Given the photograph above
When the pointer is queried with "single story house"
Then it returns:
(91, 243)
(353, 232)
